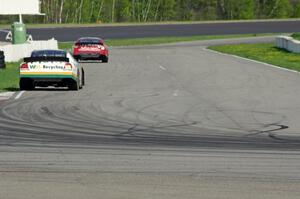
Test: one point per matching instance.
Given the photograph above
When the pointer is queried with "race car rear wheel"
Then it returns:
(26, 84)
(73, 86)
(77, 57)
(82, 77)
(105, 59)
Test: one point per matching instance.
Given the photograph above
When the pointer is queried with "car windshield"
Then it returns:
(48, 53)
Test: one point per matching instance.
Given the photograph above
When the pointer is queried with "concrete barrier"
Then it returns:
(288, 43)
(16, 52)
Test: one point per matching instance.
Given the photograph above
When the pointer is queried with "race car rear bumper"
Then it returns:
(45, 81)
(87, 56)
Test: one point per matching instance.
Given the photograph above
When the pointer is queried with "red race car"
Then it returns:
(90, 48)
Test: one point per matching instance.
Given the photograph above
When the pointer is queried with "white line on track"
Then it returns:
(6, 95)
(19, 95)
(258, 62)
(161, 67)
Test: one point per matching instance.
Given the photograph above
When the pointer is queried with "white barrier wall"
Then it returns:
(16, 52)
(288, 43)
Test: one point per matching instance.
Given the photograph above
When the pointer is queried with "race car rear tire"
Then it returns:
(82, 77)
(77, 57)
(105, 59)
(26, 84)
(80, 84)
(73, 86)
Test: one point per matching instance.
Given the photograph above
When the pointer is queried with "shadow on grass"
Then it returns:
(11, 89)
(283, 50)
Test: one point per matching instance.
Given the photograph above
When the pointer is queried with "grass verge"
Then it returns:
(163, 40)
(296, 36)
(267, 53)
(9, 77)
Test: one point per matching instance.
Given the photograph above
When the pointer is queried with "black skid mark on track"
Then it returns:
(46, 111)
(134, 129)
(75, 108)
(89, 130)
(277, 127)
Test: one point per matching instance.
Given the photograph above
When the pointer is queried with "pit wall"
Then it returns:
(288, 43)
(14, 53)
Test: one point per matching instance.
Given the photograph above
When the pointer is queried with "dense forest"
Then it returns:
(107, 11)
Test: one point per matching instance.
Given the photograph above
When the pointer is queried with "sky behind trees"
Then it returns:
(107, 11)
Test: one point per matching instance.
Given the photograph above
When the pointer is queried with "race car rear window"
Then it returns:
(88, 41)
(48, 53)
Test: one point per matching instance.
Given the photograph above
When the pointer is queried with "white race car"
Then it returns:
(55, 68)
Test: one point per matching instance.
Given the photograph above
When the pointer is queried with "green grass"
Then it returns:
(9, 77)
(267, 53)
(163, 40)
(296, 36)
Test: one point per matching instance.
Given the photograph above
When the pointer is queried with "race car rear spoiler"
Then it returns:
(40, 59)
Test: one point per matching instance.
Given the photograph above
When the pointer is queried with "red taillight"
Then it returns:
(24, 66)
(76, 49)
(68, 66)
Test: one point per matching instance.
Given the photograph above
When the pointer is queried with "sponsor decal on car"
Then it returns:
(49, 67)
(89, 48)
(50, 70)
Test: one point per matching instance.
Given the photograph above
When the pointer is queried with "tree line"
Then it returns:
(107, 11)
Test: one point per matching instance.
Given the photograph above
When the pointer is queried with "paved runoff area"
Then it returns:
(168, 121)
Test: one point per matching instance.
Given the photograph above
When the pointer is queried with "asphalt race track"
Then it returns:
(123, 32)
(167, 121)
